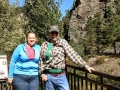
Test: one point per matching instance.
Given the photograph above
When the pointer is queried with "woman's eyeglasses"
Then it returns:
(54, 33)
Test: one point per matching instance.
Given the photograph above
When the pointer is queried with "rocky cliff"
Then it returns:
(82, 10)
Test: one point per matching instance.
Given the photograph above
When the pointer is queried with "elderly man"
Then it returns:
(52, 61)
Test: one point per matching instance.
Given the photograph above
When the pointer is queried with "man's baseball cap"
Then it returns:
(53, 28)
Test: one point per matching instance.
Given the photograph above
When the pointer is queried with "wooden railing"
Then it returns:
(5, 86)
(81, 79)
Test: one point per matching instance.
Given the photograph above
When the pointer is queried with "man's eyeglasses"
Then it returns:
(54, 33)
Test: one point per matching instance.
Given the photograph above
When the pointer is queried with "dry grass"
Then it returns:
(106, 64)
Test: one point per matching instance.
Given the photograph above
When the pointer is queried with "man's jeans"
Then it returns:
(60, 82)
(26, 82)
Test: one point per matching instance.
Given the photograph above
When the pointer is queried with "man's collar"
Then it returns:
(57, 41)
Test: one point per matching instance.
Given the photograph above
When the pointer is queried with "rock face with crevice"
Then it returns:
(82, 10)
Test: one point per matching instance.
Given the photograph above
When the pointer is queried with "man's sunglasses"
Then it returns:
(54, 33)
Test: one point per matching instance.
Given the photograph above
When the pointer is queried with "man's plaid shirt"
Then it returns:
(57, 58)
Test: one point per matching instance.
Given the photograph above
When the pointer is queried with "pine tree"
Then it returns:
(41, 14)
(108, 30)
(9, 29)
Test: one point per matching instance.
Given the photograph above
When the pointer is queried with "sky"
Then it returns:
(66, 5)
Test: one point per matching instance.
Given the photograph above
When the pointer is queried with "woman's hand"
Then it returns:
(10, 80)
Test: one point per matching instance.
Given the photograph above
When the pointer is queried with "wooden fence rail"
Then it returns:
(81, 79)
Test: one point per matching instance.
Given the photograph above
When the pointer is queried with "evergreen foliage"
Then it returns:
(18, 10)
(102, 32)
(65, 25)
(117, 3)
(9, 29)
(41, 14)
(78, 47)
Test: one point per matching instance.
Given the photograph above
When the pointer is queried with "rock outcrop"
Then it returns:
(82, 10)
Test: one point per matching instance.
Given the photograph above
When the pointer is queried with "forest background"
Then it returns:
(38, 15)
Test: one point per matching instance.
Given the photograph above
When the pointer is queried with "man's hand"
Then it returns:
(90, 69)
(44, 77)
(10, 80)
